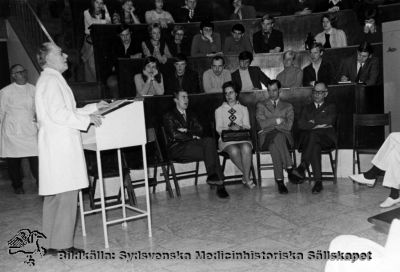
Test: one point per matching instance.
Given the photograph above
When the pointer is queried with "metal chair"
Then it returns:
(176, 176)
(370, 121)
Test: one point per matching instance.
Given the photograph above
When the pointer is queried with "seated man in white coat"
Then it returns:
(62, 167)
(387, 162)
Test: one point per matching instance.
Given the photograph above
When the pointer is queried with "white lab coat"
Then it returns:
(62, 165)
(18, 130)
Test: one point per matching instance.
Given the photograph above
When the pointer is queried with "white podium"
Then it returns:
(123, 126)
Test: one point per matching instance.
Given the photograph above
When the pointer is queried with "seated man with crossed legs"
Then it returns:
(275, 118)
(185, 141)
(317, 133)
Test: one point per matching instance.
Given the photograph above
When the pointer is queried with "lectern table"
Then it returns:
(123, 126)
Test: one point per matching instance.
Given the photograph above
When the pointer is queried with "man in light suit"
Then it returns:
(275, 119)
(248, 77)
(316, 123)
(62, 167)
(363, 69)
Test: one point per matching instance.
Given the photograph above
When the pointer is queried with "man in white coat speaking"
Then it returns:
(18, 130)
(62, 166)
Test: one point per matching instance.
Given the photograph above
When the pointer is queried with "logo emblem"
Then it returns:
(27, 242)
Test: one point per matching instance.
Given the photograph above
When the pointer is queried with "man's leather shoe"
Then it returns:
(317, 188)
(214, 180)
(221, 192)
(281, 187)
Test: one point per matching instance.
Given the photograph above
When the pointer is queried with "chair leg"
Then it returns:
(197, 173)
(354, 161)
(358, 162)
(253, 174)
(294, 158)
(167, 182)
(177, 189)
(259, 168)
(155, 178)
(336, 164)
(332, 166)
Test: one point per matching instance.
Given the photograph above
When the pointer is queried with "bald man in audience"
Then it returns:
(291, 76)
(216, 76)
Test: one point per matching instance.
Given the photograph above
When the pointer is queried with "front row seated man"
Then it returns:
(185, 141)
(386, 161)
(275, 118)
(316, 123)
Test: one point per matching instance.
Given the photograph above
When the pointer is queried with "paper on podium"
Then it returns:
(123, 125)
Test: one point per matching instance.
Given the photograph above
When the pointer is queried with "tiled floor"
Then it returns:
(251, 220)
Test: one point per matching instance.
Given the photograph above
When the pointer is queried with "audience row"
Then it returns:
(362, 68)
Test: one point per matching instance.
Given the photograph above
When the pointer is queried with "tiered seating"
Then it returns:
(294, 28)
(271, 64)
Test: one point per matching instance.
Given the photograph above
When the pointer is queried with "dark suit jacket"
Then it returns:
(256, 76)
(326, 114)
(174, 120)
(119, 51)
(182, 16)
(185, 47)
(368, 73)
(325, 74)
(190, 82)
(275, 39)
(248, 12)
(266, 116)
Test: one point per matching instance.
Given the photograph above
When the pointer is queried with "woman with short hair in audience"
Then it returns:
(178, 42)
(150, 80)
(126, 14)
(331, 37)
(158, 15)
(96, 14)
(156, 45)
(232, 115)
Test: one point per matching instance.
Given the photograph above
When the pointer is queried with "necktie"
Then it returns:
(327, 41)
(318, 105)
(178, 48)
(359, 72)
(274, 104)
(184, 116)
(191, 12)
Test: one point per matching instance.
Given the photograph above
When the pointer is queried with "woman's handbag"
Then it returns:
(236, 135)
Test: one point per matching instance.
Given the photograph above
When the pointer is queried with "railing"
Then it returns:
(28, 27)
